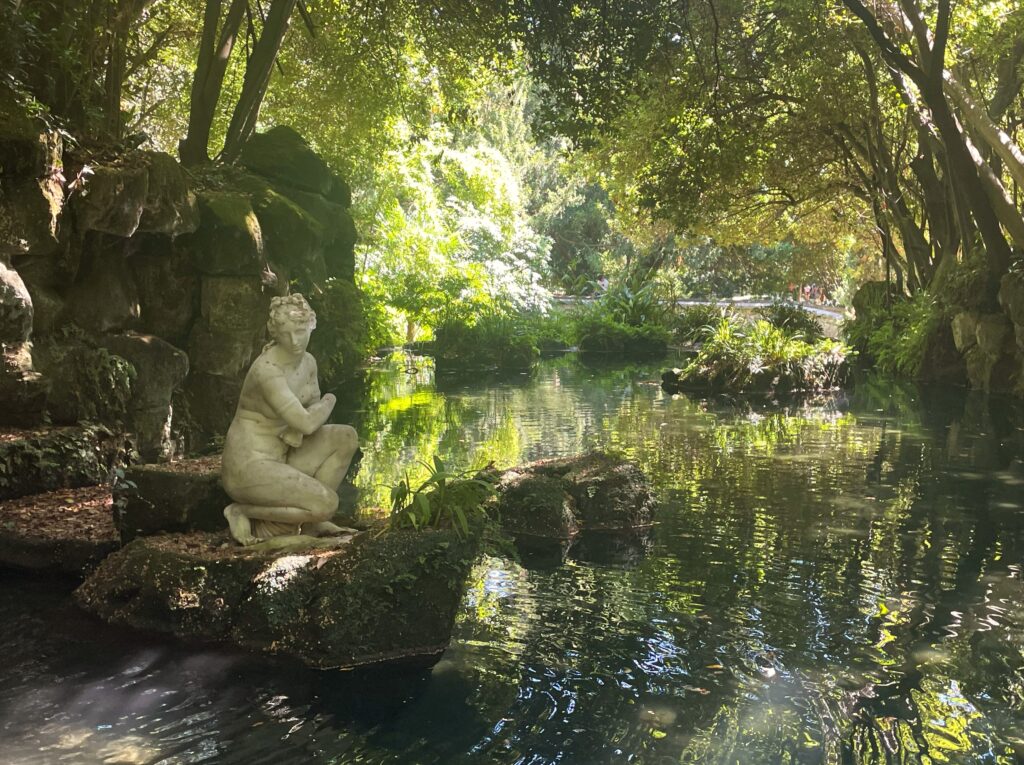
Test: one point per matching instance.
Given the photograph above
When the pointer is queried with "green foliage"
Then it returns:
(601, 333)
(495, 339)
(759, 356)
(341, 338)
(446, 499)
(695, 323)
(624, 320)
(896, 339)
(793, 320)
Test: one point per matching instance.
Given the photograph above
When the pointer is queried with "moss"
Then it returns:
(86, 382)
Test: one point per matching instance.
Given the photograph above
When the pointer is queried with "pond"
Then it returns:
(835, 580)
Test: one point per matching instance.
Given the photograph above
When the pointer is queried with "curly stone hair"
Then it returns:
(289, 308)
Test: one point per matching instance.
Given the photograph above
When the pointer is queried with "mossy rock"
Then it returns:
(31, 192)
(41, 460)
(229, 241)
(293, 237)
(283, 156)
(86, 382)
(558, 498)
(113, 198)
(1011, 296)
(170, 206)
(873, 297)
(378, 598)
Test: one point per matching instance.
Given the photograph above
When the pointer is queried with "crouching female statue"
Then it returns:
(282, 465)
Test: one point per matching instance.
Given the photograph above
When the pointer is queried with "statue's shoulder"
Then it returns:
(263, 367)
(309, 359)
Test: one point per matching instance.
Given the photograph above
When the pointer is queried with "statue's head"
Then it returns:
(291, 322)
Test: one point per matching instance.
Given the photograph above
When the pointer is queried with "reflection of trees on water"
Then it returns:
(835, 581)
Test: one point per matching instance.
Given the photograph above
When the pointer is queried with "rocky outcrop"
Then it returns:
(96, 246)
(371, 598)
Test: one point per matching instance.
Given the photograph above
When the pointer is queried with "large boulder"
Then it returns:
(1011, 296)
(229, 241)
(170, 207)
(84, 380)
(168, 287)
(282, 155)
(561, 497)
(160, 369)
(212, 400)
(965, 328)
(992, 363)
(22, 393)
(31, 193)
(173, 497)
(234, 304)
(104, 297)
(380, 597)
(112, 197)
(15, 308)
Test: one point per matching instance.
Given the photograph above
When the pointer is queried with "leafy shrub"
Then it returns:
(896, 339)
(600, 333)
(760, 356)
(495, 340)
(340, 341)
(626, 321)
(793, 320)
(635, 307)
(694, 323)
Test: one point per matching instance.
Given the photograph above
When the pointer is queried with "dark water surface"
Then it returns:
(830, 581)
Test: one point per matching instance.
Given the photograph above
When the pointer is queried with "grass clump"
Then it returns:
(494, 340)
(694, 324)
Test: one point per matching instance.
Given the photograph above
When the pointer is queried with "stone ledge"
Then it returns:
(68, 531)
(175, 496)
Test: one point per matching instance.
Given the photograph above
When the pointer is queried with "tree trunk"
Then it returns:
(257, 77)
(993, 135)
(214, 53)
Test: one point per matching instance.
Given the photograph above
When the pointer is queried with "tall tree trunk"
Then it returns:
(993, 135)
(214, 53)
(257, 77)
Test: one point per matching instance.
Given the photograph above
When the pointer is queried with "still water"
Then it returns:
(835, 580)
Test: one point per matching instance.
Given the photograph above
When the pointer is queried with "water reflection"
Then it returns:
(833, 580)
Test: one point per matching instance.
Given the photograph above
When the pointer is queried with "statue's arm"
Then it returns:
(288, 407)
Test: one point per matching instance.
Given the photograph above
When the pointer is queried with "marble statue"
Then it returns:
(282, 465)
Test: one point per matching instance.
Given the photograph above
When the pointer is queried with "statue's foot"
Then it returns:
(239, 525)
(326, 529)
